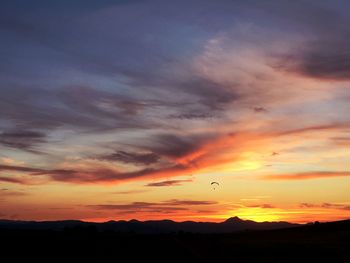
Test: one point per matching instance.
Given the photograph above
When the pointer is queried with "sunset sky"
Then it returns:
(125, 109)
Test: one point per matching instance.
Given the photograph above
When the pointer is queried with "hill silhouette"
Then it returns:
(234, 240)
(232, 224)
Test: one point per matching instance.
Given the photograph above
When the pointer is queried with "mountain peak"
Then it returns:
(234, 219)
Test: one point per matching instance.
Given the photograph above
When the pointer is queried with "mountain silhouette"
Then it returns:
(233, 224)
(234, 240)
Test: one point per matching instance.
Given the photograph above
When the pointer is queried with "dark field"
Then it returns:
(326, 242)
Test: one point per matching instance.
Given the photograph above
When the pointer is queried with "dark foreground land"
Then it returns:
(325, 242)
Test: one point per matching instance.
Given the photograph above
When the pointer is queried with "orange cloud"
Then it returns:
(306, 175)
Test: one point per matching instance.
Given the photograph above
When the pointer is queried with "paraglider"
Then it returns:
(214, 184)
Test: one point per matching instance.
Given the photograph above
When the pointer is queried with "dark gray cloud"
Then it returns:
(31, 115)
(84, 175)
(213, 96)
(161, 151)
(98, 44)
(330, 61)
(6, 179)
(22, 139)
(192, 116)
(169, 183)
(43, 109)
(139, 206)
(324, 53)
(325, 59)
(133, 158)
(260, 109)
(156, 207)
(177, 145)
(17, 168)
(105, 174)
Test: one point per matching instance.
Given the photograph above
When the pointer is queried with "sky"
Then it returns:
(114, 110)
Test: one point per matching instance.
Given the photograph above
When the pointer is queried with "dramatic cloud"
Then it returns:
(147, 93)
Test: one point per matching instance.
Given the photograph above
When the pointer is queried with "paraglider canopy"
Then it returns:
(214, 184)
